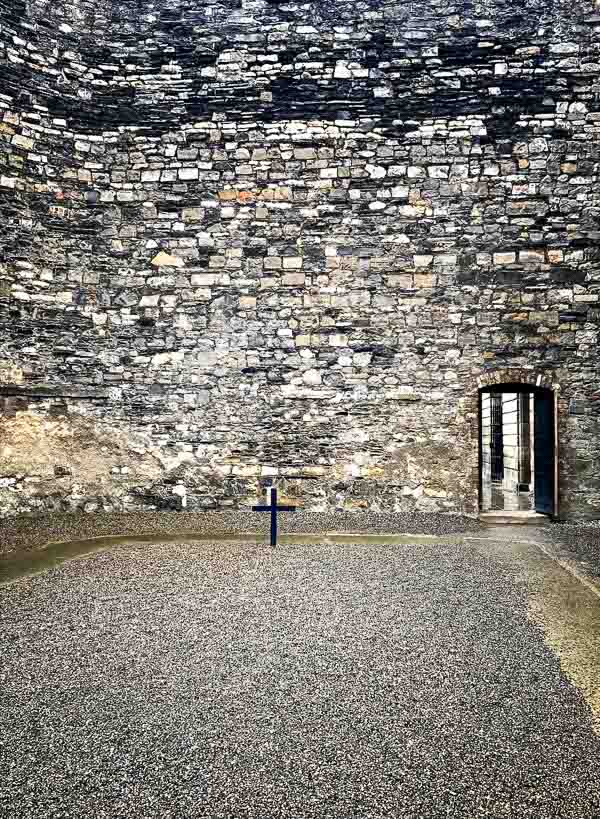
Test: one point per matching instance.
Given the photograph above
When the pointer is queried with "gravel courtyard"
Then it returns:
(232, 680)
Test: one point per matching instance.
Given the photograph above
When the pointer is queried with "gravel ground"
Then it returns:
(577, 542)
(24, 532)
(199, 680)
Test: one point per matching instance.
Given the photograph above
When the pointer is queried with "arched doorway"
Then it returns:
(518, 449)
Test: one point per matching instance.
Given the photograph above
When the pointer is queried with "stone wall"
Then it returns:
(263, 240)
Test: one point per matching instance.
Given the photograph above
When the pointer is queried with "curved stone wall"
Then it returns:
(267, 240)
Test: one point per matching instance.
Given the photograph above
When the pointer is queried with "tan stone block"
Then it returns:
(400, 280)
(246, 470)
(193, 214)
(167, 260)
(272, 262)
(424, 281)
(247, 302)
(305, 153)
(422, 261)
(294, 279)
(22, 142)
(292, 262)
(10, 373)
(505, 258)
(216, 262)
(276, 194)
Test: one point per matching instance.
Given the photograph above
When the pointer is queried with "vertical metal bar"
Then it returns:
(556, 510)
(273, 517)
(480, 453)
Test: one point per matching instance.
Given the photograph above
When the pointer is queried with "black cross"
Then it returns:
(273, 509)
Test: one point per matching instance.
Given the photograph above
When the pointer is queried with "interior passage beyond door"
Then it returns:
(517, 449)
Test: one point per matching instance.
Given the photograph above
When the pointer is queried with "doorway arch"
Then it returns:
(518, 447)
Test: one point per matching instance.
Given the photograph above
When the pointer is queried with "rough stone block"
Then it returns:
(23, 142)
(294, 279)
(404, 280)
(164, 259)
(188, 173)
(505, 258)
(424, 280)
(422, 261)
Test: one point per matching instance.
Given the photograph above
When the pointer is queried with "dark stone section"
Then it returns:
(50, 391)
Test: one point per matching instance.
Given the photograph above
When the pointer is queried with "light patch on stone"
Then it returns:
(163, 259)
(312, 377)
(174, 359)
(402, 394)
(10, 373)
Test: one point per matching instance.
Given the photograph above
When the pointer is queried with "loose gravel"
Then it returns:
(578, 542)
(225, 680)
(23, 532)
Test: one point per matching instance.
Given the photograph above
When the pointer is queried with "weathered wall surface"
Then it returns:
(250, 240)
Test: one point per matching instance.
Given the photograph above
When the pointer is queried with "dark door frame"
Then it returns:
(518, 386)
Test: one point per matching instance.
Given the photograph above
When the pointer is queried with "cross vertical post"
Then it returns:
(273, 517)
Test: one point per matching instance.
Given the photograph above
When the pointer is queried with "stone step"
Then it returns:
(520, 518)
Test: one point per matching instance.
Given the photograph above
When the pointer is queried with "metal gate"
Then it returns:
(497, 438)
(543, 430)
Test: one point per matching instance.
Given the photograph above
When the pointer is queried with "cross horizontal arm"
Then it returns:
(277, 508)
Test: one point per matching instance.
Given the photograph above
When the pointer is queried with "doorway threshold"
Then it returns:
(525, 517)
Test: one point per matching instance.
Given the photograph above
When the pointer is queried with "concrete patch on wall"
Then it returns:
(70, 462)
